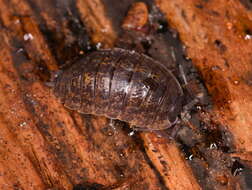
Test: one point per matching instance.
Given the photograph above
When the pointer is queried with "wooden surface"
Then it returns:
(43, 145)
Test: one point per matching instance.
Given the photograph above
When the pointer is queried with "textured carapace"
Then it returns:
(124, 85)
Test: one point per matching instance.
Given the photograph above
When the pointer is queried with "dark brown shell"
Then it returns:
(122, 84)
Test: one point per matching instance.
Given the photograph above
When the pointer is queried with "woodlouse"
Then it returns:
(124, 85)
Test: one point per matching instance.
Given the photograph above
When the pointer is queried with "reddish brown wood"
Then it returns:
(218, 42)
(43, 145)
(137, 17)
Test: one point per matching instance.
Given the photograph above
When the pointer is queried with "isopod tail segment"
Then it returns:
(53, 76)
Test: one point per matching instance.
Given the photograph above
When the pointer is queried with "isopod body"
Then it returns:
(124, 85)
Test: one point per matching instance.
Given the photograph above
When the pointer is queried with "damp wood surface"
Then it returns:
(43, 145)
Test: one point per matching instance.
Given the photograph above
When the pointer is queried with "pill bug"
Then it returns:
(122, 84)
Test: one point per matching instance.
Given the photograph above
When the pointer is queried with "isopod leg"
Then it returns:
(169, 133)
(185, 114)
(182, 73)
(112, 123)
(190, 85)
(50, 84)
(193, 90)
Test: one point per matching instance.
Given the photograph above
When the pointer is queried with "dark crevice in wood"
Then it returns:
(140, 143)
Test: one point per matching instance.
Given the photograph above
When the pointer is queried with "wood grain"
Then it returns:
(210, 34)
(43, 145)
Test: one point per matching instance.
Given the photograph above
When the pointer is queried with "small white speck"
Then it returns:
(104, 30)
(112, 124)
(236, 82)
(187, 58)
(237, 171)
(213, 146)
(214, 68)
(126, 90)
(22, 124)
(172, 108)
(131, 133)
(198, 107)
(190, 157)
(28, 36)
(17, 21)
(248, 37)
(145, 91)
(20, 50)
(98, 45)
(173, 54)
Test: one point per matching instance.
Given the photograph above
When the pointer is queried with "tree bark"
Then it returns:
(43, 145)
